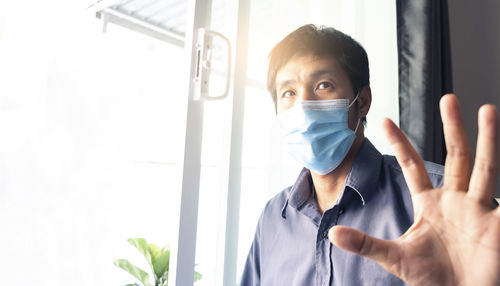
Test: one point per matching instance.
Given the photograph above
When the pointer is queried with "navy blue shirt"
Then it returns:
(291, 245)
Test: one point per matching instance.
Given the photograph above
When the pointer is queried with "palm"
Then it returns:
(455, 237)
(450, 236)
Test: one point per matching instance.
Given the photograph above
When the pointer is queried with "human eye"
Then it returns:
(324, 85)
(287, 93)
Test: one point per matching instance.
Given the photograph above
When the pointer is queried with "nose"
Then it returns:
(307, 94)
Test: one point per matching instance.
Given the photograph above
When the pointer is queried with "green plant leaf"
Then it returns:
(135, 271)
(164, 277)
(135, 284)
(197, 276)
(160, 262)
(154, 250)
(158, 267)
(142, 245)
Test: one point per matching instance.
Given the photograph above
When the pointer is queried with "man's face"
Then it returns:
(308, 77)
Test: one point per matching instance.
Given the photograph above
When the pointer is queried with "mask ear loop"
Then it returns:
(357, 125)
(355, 98)
(359, 119)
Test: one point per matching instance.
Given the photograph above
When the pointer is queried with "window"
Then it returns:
(85, 120)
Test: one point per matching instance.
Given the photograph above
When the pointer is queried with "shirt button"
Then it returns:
(325, 234)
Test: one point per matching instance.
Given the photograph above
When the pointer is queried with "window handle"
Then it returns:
(204, 51)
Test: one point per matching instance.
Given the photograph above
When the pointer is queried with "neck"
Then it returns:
(329, 187)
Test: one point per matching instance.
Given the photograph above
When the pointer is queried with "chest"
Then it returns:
(297, 252)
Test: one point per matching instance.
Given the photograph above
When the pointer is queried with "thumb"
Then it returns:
(386, 253)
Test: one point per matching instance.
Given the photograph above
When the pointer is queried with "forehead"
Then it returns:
(301, 67)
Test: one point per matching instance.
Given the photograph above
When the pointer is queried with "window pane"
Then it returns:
(91, 135)
(267, 169)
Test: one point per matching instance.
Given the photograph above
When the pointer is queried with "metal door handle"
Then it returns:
(204, 64)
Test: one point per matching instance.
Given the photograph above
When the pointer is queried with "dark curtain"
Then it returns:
(424, 73)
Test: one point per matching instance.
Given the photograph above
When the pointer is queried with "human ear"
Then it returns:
(365, 100)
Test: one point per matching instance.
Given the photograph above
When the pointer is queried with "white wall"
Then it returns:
(475, 42)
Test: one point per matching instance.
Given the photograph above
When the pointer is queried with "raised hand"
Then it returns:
(455, 238)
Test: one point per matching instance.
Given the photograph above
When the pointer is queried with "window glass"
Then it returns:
(267, 168)
(91, 135)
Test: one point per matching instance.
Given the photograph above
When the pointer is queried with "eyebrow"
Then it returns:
(320, 73)
(287, 82)
(313, 75)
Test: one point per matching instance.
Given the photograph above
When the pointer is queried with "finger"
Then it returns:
(456, 168)
(484, 173)
(386, 253)
(411, 164)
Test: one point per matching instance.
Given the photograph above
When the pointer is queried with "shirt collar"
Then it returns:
(364, 174)
(362, 178)
(302, 189)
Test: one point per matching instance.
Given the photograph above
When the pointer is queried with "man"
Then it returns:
(433, 225)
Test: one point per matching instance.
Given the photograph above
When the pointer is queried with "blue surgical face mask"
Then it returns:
(317, 133)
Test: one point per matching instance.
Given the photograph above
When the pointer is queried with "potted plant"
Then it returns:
(157, 258)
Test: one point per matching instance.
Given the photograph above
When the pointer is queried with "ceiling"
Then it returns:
(162, 19)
